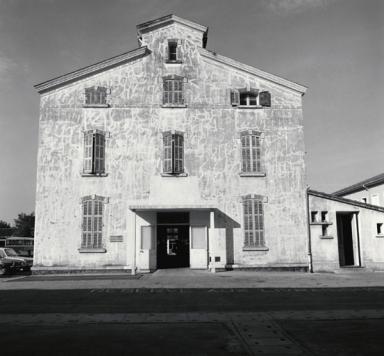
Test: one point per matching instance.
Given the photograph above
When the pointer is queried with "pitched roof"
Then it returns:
(92, 69)
(370, 182)
(167, 20)
(142, 51)
(345, 201)
(252, 70)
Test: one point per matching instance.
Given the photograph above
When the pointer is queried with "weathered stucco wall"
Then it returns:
(325, 252)
(135, 121)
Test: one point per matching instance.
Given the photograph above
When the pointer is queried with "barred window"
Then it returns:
(173, 90)
(96, 96)
(173, 162)
(253, 221)
(92, 227)
(94, 152)
(251, 152)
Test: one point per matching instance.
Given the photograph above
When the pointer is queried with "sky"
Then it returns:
(334, 47)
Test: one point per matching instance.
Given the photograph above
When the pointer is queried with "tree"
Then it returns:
(4, 225)
(25, 225)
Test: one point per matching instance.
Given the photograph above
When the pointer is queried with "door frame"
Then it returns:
(157, 242)
(355, 238)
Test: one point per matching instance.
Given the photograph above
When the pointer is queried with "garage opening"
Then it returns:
(172, 239)
(345, 238)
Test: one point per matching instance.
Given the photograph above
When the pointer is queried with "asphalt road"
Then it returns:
(341, 321)
(187, 300)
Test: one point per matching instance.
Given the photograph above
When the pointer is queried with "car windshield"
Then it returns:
(10, 252)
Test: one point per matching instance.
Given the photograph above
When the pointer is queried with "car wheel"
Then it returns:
(2, 271)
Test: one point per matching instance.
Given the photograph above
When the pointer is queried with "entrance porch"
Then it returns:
(175, 236)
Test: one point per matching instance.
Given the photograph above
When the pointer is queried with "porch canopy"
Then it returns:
(159, 206)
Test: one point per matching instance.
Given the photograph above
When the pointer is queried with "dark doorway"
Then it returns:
(345, 239)
(172, 240)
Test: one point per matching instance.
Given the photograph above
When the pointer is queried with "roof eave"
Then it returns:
(252, 70)
(345, 201)
(167, 20)
(91, 69)
(368, 183)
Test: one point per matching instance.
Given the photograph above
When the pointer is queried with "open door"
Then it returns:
(345, 239)
(172, 246)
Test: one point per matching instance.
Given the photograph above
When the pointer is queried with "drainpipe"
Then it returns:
(309, 234)
(133, 269)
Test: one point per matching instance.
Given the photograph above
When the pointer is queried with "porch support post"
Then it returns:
(212, 241)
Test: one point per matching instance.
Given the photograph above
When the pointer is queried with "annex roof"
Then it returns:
(252, 70)
(345, 201)
(370, 182)
(92, 69)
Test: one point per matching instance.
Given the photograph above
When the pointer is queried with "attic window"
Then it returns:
(250, 98)
(174, 55)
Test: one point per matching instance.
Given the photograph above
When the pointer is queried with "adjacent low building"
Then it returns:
(344, 233)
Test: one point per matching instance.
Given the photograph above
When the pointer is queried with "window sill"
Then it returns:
(94, 174)
(251, 107)
(326, 237)
(246, 174)
(96, 106)
(92, 250)
(174, 174)
(173, 106)
(255, 248)
(321, 223)
(177, 61)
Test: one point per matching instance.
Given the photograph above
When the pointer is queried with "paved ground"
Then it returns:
(234, 313)
(186, 278)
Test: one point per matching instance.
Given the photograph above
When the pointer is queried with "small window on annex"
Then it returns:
(324, 216)
(96, 96)
(313, 216)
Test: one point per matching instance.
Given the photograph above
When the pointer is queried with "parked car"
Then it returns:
(10, 261)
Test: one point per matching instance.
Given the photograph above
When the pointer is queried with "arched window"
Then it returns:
(92, 225)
